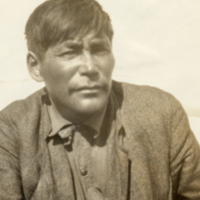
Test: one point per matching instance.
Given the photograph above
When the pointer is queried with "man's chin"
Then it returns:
(90, 108)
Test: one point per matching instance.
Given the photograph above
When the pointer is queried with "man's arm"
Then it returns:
(10, 179)
(184, 159)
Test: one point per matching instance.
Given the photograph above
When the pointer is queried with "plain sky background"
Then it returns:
(155, 43)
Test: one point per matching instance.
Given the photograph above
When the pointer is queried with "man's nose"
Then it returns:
(89, 66)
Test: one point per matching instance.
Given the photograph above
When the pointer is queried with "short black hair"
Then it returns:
(57, 20)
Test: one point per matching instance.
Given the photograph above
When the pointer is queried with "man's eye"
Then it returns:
(99, 50)
(67, 53)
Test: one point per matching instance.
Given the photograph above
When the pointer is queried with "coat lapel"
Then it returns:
(45, 162)
(138, 145)
(118, 162)
(118, 170)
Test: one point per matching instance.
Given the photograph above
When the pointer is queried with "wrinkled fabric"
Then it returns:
(85, 150)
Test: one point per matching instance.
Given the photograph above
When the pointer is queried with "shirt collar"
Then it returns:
(58, 122)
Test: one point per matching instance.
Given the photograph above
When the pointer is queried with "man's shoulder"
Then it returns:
(22, 107)
(140, 92)
(140, 97)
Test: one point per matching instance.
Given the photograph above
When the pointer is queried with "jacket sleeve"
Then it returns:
(184, 158)
(10, 179)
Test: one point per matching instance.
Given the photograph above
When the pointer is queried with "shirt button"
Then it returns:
(83, 172)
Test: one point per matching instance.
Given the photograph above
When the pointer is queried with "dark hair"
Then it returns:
(57, 20)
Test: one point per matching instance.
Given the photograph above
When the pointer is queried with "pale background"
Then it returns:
(156, 43)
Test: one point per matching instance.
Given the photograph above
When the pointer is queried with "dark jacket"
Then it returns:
(158, 160)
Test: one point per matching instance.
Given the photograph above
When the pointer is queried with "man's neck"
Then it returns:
(95, 120)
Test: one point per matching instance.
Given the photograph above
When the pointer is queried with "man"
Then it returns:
(85, 136)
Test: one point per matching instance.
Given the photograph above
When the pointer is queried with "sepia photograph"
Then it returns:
(100, 100)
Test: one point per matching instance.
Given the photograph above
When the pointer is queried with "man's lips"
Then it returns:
(89, 88)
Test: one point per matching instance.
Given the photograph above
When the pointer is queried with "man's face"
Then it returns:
(77, 74)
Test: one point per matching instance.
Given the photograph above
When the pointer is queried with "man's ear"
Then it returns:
(34, 66)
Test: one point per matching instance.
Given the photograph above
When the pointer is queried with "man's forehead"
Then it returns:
(89, 38)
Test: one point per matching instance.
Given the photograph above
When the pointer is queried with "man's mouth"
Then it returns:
(96, 87)
(89, 89)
